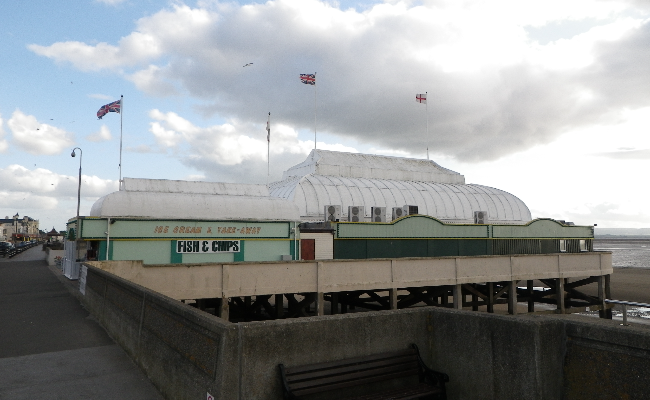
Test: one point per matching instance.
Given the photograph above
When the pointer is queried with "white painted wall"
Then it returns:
(324, 244)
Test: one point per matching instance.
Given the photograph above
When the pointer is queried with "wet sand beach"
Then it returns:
(631, 284)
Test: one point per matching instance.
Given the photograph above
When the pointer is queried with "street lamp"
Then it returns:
(78, 187)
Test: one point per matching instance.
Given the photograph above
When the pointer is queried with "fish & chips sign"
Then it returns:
(207, 246)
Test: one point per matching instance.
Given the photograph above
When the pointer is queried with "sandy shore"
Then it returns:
(631, 284)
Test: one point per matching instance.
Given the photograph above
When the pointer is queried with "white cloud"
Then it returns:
(111, 2)
(4, 145)
(221, 144)
(153, 80)
(102, 135)
(216, 149)
(42, 182)
(493, 90)
(38, 138)
(24, 200)
(48, 196)
(166, 31)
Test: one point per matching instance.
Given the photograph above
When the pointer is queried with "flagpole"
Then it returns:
(426, 108)
(314, 110)
(268, 148)
(121, 119)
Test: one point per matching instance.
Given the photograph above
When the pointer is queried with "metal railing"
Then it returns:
(625, 304)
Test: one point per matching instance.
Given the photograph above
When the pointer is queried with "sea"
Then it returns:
(626, 252)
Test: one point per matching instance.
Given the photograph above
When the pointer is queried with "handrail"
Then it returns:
(625, 304)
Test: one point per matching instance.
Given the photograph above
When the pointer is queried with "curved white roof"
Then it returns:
(166, 200)
(448, 202)
(324, 178)
(193, 187)
(356, 165)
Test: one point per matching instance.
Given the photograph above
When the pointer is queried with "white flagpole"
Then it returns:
(314, 110)
(268, 148)
(121, 116)
(426, 108)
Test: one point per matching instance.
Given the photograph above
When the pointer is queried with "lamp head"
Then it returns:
(72, 154)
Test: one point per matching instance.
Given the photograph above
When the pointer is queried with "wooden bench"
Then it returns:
(318, 378)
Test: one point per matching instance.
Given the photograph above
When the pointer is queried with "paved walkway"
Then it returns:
(50, 347)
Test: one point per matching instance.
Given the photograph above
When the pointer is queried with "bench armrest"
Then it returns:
(434, 377)
(286, 392)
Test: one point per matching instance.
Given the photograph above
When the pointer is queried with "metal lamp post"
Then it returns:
(78, 187)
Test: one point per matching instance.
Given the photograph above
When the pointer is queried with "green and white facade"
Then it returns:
(163, 221)
(169, 241)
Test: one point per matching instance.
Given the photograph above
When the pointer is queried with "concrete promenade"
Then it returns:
(50, 347)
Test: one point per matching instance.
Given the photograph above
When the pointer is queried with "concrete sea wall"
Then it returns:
(187, 353)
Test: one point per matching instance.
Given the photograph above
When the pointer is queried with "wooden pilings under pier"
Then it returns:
(560, 295)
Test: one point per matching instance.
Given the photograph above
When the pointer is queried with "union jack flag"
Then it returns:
(309, 79)
(421, 98)
(110, 107)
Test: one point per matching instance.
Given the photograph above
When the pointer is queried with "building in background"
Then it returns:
(18, 229)
(332, 205)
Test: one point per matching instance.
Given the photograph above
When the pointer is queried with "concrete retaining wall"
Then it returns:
(53, 253)
(184, 352)
(187, 353)
(606, 361)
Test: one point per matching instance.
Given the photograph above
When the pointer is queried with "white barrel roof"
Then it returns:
(324, 178)
(448, 202)
(356, 165)
(162, 199)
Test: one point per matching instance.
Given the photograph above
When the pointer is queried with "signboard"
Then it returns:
(207, 246)
(82, 279)
(97, 228)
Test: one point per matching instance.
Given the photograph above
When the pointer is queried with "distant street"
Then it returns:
(34, 254)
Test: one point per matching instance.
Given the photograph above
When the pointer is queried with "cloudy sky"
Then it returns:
(548, 100)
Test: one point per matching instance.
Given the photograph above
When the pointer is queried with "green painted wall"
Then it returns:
(266, 250)
(542, 228)
(94, 228)
(101, 254)
(205, 258)
(175, 258)
(415, 226)
(421, 226)
(240, 256)
(149, 251)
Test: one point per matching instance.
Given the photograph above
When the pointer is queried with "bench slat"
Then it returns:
(405, 369)
(348, 367)
(387, 355)
(364, 371)
(356, 382)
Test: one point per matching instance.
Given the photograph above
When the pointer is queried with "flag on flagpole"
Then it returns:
(421, 98)
(268, 129)
(110, 107)
(308, 79)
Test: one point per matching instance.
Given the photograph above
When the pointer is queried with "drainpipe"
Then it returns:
(296, 256)
(108, 235)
